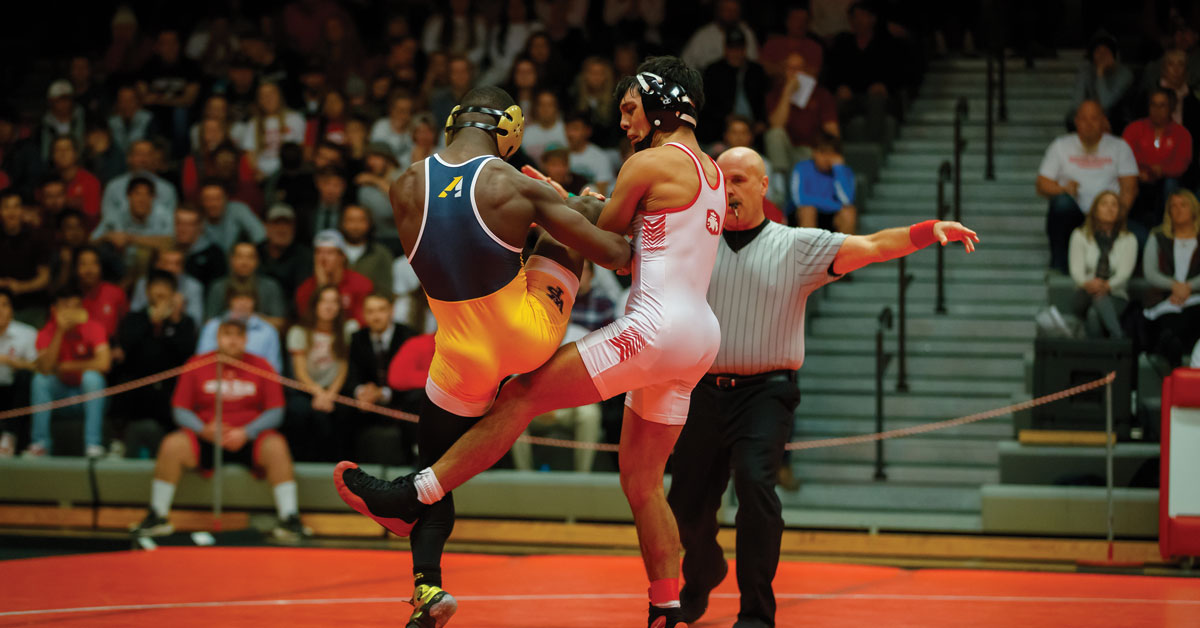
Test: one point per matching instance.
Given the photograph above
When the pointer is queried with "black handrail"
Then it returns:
(902, 337)
(943, 177)
(960, 114)
(989, 168)
(1002, 93)
(881, 364)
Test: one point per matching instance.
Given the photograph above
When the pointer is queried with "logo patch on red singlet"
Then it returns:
(714, 222)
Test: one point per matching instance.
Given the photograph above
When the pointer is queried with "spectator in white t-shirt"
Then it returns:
(1077, 168)
(544, 127)
(707, 44)
(587, 159)
(272, 126)
(395, 130)
(17, 353)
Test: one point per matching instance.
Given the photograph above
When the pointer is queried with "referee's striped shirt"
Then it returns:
(759, 294)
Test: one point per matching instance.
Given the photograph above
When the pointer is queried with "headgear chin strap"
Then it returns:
(508, 130)
(666, 103)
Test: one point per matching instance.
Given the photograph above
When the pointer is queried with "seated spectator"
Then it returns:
(461, 74)
(241, 90)
(544, 128)
(243, 269)
(216, 108)
(366, 256)
(394, 130)
(587, 159)
(69, 236)
(1103, 79)
(865, 71)
(140, 225)
(553, 65)
(205, 260)
(83, 188)
(252, 407)
(1103, 254)
(202, 162)
(1184, 39)
(1171, 262)
(410, 308)
(227, 221)
(17, 353)
(1163, 150)
(732, 84)
(63, 118)
(331, 197)
(356, 144)
(104, 302)
(272, 126)
(51, 197)
(794, 128)
(24, 261)
(129, 122)
(556, 163)
(148, 341)
(212, 45)
(374, 188)
(100, 156)
(704, 46)
(410, 367)
(822, 190)
(795, 39)
(73, 359)
(169, 85)
(505, 41)
(139, 158)
(523, 83)
(330, 124)
(425, 138)
(330, 267)
(318, 347)
(172, 260)
(1075, 169)
(262, 339)
(294, 181)
(456, 29)
(593, 94)
(371, 351)
(281, 257)
(739, 132)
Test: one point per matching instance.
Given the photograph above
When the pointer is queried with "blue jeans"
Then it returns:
(47, 388)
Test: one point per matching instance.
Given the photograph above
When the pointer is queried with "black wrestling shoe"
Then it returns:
(393, 505)
(433, 607)
(152, 525)
(693, 597)
(665, 618)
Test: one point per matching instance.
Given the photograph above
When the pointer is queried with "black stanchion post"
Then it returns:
(902, 335)
(943, 177)
(989, 169)
(960, 114)
(881, 364)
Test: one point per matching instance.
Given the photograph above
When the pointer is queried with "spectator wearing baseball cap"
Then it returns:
(282, 256)
(63, 117)
(330, 266)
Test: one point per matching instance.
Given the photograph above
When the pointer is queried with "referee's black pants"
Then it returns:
(743, 430)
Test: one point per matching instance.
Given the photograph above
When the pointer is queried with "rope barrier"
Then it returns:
(536, 440)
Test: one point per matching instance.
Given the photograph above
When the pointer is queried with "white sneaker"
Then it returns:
(116, 449)
(8, 445)
(95, 451)
(36, 450)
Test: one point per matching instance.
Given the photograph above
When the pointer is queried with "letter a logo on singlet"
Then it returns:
(455, 185)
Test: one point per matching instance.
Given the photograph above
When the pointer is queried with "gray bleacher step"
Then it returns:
(928, 176)
(932, 346)
(1033, 205)
(1036, 117)
(983, 224)
(975, 133)
(924, 290)
(902, 405)
(1020, 253)
(961, 311)
(971, 163)
(926, 326)
(874, 520)
(884, 496)
(862, 384)
(1067, 61)
(1005, 369)
(1048, 80)
(954, 274)
(979, 90)
(813, 426)
(921, 473)
(1017, 107)
(1017, 234)
(908, 450)
(976, 191)
(945, 146)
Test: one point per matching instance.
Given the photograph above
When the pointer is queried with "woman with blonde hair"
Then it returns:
(593, 94)
(1102, 256)
(1171, 263)
(272, 126)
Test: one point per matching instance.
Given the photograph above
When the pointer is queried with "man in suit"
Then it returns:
(371, 351)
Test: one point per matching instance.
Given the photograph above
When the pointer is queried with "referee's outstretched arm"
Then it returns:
(859, 250)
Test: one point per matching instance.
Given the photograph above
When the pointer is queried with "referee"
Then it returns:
(741, 413)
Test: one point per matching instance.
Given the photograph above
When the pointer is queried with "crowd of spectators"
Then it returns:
(1123, 221)
(237, 168)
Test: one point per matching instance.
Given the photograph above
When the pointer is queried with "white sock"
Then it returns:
(286, 501)
(429, 490)
(162, 493)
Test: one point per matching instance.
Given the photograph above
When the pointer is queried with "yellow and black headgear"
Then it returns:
(508, 130)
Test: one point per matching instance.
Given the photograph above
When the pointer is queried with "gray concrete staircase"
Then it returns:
(968, 360)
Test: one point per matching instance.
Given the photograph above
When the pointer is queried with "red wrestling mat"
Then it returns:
(319, 587)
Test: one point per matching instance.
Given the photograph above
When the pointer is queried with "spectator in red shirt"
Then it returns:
(329, 267)
(796, 39)
(1163, 150)
(73, 359)
(105, 302)
(793, 129)
(83, 188)
(251, 409)
(330, 125)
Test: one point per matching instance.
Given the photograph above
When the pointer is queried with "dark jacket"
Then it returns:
(365, 367)
(720, 91)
